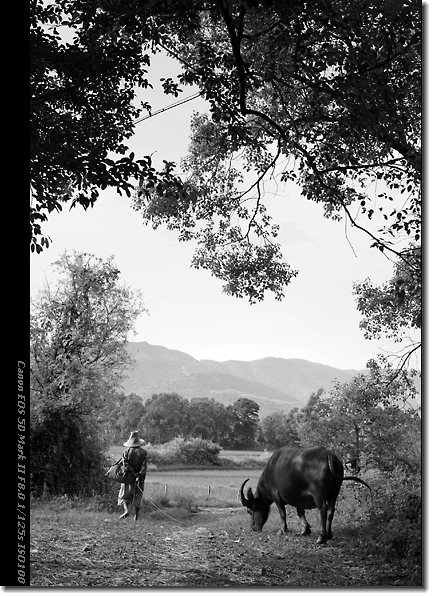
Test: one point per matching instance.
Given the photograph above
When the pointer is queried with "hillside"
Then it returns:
(274, 383)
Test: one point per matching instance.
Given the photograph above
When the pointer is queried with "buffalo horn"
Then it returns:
(245, 502)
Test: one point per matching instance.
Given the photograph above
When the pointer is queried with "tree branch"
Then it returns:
(235, 45)
(377, 240)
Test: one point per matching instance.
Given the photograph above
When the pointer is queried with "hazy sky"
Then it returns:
(317, 320)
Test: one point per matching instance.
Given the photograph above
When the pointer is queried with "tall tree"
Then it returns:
(165, 417)
(131, 414)
(209, 419)
(372, 420)
(280, 430)
(78, 334)
(245, 425)
(79, 329)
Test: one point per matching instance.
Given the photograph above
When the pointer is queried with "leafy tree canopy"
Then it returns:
(245, 414)
(78, 333)
(373, 420)
(87, 62)
(279, 429)
(165, 417)
(324, 93)
(395, 306)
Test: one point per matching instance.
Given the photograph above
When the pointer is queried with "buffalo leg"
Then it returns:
(331, 511)
(282, 512)
(323, 514)
(306, 526)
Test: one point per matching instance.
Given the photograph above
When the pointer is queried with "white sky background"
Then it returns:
(317, 320)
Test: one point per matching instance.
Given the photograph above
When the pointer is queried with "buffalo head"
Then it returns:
(257, 508)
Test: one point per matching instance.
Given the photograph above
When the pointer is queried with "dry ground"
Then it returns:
(213, 548)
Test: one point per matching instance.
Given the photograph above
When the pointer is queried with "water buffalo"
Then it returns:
(303, 478)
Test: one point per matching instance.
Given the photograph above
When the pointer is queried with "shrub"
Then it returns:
(354, 508)
(180, 451)
(396, 528)
(67, 457)
(199, 451)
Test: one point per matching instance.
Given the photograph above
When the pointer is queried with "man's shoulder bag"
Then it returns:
(118, 473)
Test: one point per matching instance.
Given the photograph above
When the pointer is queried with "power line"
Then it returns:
(173, 105)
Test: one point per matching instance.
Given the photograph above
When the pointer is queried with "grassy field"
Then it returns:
(79, 543)
(216, 486)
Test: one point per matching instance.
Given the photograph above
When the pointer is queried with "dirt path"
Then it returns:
(74, 548)
(204, 555)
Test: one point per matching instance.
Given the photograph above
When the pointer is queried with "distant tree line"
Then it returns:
(166, 416)
(369, 421)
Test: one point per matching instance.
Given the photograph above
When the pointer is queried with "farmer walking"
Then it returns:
(135, 461)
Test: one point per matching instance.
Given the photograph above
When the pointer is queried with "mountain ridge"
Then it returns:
(275, 384)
